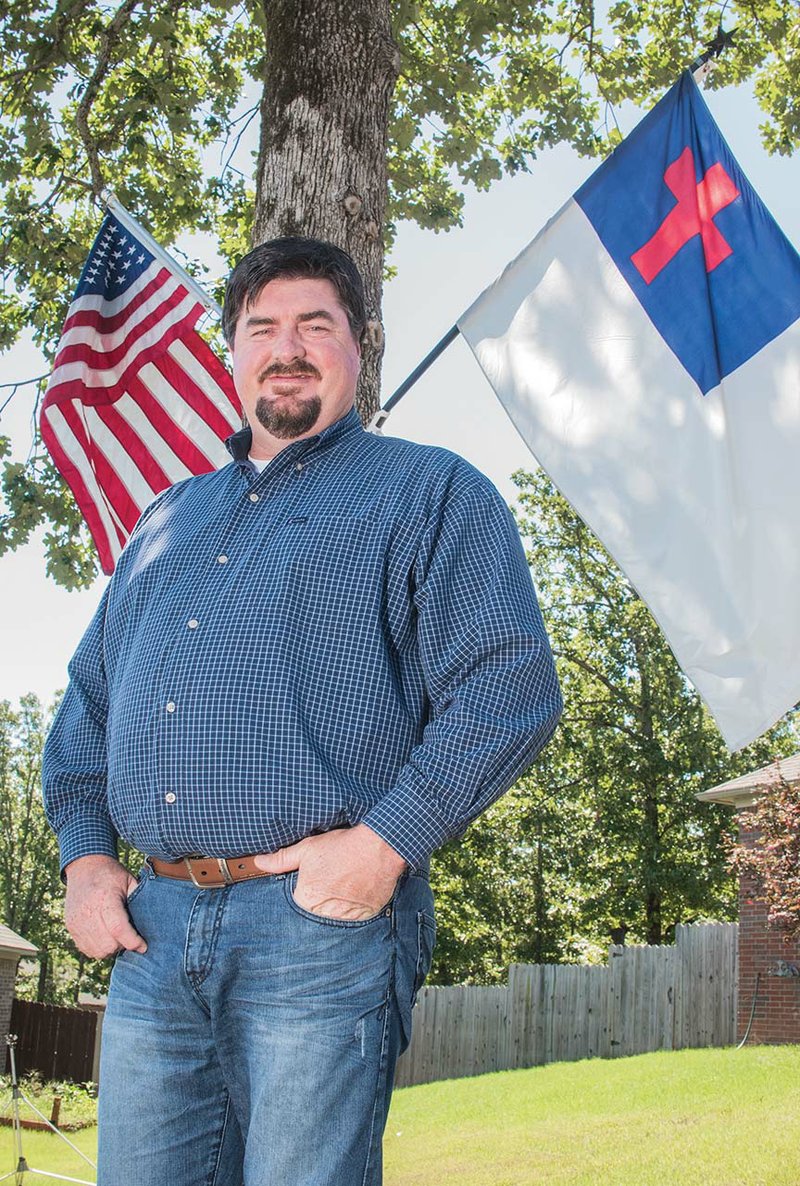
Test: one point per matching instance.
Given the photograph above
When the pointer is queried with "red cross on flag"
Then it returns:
(647, 346)
(698, 203)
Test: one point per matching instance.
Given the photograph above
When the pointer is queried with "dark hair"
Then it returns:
(293, 258)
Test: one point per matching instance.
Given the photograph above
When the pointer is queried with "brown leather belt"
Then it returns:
(211, 872)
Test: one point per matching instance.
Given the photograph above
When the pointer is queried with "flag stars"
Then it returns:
(114, 261)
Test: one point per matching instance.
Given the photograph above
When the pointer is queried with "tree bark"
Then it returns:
(541, 913)
(652, 821)
(44, 968)
(330, 72)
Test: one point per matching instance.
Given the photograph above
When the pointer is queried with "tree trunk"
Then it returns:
(330, 71)
(655, 932)
(44, 968)
(651, 856)
(79, 978)
(541, 913)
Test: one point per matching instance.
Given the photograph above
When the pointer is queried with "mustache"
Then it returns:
(287, 369)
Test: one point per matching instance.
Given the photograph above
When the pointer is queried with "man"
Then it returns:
(309, 670)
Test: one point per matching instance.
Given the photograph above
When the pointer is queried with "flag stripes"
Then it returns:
(174, 441)
(89, 324)
(137, 400)
(68, 443)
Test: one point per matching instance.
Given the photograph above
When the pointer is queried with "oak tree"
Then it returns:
(30, 888)
(359, 112)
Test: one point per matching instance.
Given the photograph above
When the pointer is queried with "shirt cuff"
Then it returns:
(412, 822)
(84, 836)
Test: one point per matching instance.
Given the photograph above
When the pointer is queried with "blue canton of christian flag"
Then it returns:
(647, 346)
(711, 267)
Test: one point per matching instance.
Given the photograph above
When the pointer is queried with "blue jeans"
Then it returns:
(255, 1043)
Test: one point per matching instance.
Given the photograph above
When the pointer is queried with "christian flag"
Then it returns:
(647, 347)
(137, 400)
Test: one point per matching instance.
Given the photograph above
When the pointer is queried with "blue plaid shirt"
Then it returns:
(351, 635)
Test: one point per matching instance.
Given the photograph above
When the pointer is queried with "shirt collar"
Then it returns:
(238, 445)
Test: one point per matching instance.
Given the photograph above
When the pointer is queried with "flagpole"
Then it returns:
(382, 415)
(124, 217)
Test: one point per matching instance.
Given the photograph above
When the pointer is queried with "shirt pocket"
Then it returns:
(343, 555)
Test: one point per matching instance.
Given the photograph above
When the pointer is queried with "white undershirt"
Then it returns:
(260, 463)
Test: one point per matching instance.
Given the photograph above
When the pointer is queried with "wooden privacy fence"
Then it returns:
(56, 1041)
(646, 998)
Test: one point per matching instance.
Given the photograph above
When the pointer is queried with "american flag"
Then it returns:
(137, 400)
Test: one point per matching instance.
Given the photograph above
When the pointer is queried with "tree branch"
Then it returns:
(49, 58)
(16, 386)
(108, 41)
(615, 691)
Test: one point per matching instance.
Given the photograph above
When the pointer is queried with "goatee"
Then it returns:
(287, 422)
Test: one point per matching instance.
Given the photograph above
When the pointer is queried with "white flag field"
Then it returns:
(647, 347)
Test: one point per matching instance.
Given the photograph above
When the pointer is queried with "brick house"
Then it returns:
(13, 948)
(769, 967)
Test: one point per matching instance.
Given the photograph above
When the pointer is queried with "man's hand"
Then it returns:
(95, 910)
(348, 873)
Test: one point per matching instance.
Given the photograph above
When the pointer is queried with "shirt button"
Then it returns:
(170, 797)
(170, 706)
(299, 466)
(193, 623)
(254, 497)
(223, 559)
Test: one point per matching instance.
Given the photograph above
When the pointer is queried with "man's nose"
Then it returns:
(287, 344)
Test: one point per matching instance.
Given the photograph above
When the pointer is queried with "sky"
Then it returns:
(453, 405)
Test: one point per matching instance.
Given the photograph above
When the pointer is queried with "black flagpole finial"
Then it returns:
(723, 39)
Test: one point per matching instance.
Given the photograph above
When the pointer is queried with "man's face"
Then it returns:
(295, 361)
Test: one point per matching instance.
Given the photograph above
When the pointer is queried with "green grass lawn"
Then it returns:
(44, 1151)
(690, 1118)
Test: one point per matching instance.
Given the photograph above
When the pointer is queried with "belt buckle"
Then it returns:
(188, 863)
(222, 865)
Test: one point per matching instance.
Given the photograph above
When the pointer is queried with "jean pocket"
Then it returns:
(325, 920)
(416, 935)
(144, 877)
(426, 941)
